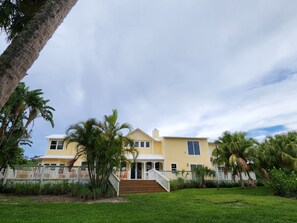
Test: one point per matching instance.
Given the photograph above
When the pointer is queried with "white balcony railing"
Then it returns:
(160, 178)
(115, 182)
(44, 174)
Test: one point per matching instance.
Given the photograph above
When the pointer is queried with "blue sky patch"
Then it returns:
(266, 131)
(277, 76)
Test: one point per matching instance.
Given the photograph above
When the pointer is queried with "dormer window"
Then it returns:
(56, 145)
(136, 144)
(141, 144)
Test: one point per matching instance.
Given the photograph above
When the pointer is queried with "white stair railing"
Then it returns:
(115, 182)
(160, 178)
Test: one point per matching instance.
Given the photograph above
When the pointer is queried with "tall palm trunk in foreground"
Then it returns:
(26, 46)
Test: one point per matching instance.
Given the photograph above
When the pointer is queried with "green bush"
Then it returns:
(7, 188)
(182, 184)
(58, 188)
(79, 190)
(177, 184)
(211, 183)
(26, 188)
(283, 183)
(190, 184)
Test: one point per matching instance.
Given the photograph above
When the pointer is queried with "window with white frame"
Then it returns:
(141, 144)
(193, 148)
(173, 167)
(56, 144)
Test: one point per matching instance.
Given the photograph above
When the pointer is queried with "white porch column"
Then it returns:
(144, 171)
(128, 170)
(154, 165)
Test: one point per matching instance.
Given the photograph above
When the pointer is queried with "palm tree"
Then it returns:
(103, 145)
(86, 135)
(112, 130)
(279, 151)
(234, 151)
(201, 172)
(15, 14)
(23, 107)
(25, 47)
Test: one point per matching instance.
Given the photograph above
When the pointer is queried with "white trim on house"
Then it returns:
(55, 157)
(146, 157)
(56, 136)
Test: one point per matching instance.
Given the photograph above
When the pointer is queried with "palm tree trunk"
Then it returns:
(203, 181)
(241, 180)
(251, 181)
(26, 46)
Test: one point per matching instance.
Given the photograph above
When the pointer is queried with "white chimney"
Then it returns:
(155, 133)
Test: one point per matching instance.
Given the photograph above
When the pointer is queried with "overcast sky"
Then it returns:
(187, 68)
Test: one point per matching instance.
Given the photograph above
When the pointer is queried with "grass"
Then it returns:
(189, 205)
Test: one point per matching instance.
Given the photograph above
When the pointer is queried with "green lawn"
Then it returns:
(191, 205)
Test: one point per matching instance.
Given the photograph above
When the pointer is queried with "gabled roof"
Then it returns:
(139, 130)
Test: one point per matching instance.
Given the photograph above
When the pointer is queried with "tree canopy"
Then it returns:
(30, 24)
(279, 151)
(17, 119)
(234, 152)
(103, 146)
(15, 14)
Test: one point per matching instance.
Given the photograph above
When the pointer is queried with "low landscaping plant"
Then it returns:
(180, 183)
(79, 190)
(283, 183)
(58, 188)
(26, 188)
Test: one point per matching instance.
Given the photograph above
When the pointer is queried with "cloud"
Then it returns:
(195, 68)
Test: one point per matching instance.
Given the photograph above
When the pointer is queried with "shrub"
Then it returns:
(182, 184)
(26, 188)
(283, 183)
(177, 184)
(79, 190)
(7, 188)
(174, 185)
(58, 188)
(190, 184)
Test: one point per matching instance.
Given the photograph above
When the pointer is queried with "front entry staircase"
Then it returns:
(140, 187)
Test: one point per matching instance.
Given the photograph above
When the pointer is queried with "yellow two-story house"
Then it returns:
(165, 154)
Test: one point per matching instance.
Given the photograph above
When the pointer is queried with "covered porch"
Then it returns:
(138, 169)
